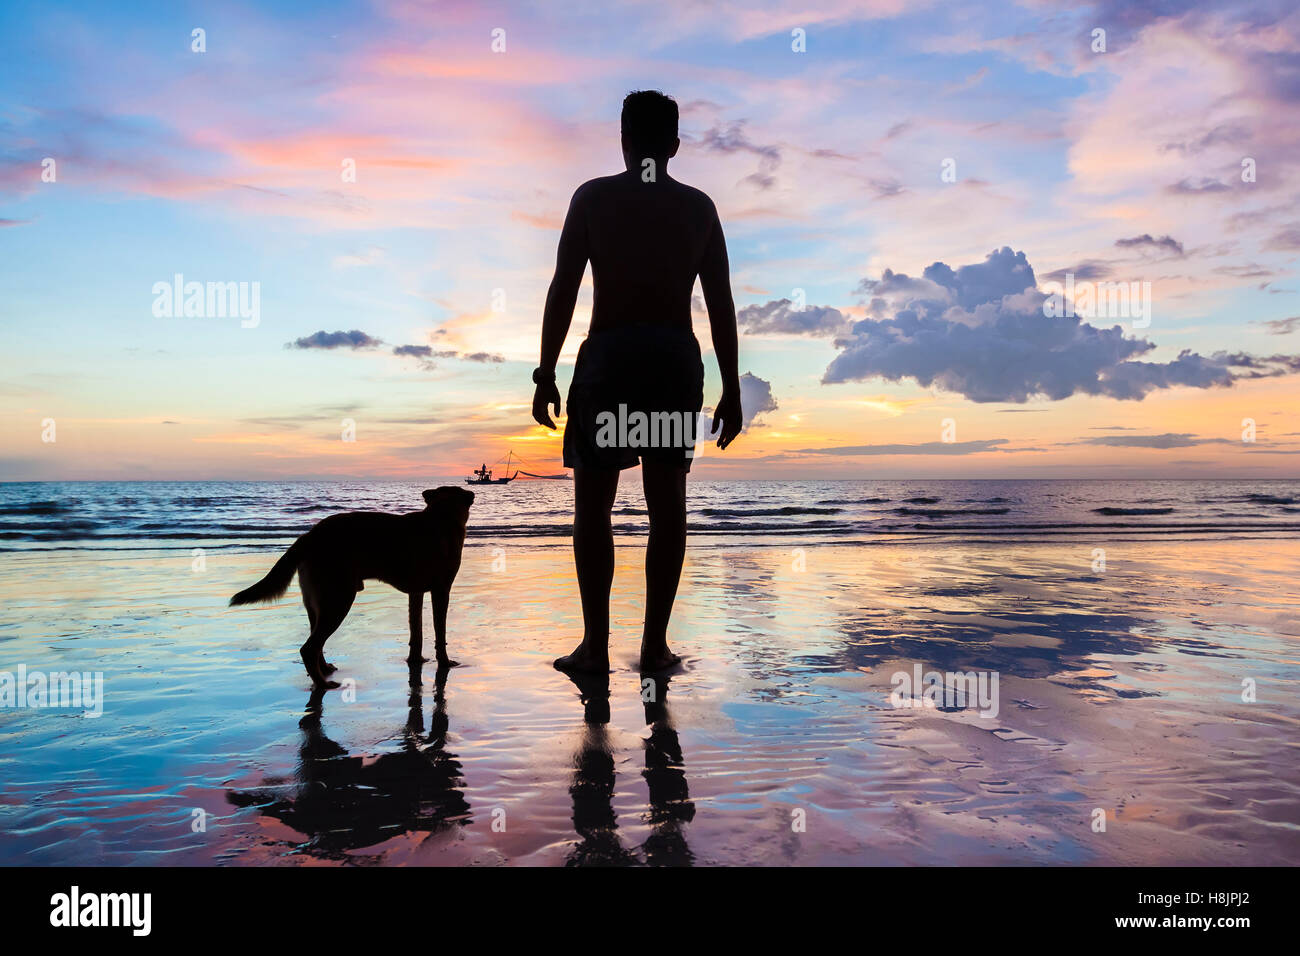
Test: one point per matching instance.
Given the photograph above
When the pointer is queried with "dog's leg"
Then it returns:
(311, 600)
(325, 666)
(332, 608)
(416, 656)
(441, 596)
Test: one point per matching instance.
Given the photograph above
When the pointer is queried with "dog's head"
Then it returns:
(449, 499)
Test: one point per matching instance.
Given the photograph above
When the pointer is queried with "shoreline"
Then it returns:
(1117, 690)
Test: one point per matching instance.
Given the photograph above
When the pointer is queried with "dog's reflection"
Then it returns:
(592, 789)
(341, 802)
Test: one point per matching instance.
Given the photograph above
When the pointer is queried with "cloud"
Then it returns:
(427, 354)
(975, 79)
(1201, 187)
(355, 339)
(732, 139)
(1248, 271)
(1167, 440)
(758, 18)
(331, 413)
(367, 257)
(1287, 240)
(1225, 133)
(924, 448)
(1088, 270)
(779, 317)
(1167, 243)
(755, 398)
(1282, 326)
(1135, 16)
(980, 331)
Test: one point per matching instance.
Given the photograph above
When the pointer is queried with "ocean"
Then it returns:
(223, 514)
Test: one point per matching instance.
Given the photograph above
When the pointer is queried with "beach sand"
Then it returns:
(775, 743)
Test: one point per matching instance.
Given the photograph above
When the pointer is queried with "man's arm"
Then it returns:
(715, 280)
(570, 264)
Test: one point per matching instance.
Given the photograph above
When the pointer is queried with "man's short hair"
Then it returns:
(649, 122)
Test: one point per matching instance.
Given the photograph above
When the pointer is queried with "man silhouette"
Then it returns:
(647, 237)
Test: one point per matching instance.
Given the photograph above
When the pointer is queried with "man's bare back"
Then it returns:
(647, 242)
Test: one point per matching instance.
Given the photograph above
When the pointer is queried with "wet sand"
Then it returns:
(1119, 691)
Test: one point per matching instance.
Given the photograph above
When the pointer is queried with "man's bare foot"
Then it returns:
(584, 661)
(326, 667)
(445, 662)
(658, 659)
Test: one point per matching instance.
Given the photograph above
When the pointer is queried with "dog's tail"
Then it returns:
(277, 579)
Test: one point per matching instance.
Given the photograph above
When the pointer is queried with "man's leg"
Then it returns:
(593, 554)
(665, 498)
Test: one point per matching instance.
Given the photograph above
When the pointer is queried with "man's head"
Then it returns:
(649, 127)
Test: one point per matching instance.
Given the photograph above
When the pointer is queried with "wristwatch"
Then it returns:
(541, 375)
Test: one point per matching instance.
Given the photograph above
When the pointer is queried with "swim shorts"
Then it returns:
(636, 396)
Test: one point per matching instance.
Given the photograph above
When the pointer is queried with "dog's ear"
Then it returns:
(448, 495)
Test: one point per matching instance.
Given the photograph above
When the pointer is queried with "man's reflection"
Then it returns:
(670, 800)
(592, 790)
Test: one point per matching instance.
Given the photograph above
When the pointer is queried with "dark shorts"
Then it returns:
(636, 396)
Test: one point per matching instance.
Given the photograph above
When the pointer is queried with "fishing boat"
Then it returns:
(483, 475)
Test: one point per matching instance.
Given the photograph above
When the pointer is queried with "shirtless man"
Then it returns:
(647, 237)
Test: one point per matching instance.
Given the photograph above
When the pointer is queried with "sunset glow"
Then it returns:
(828, 169)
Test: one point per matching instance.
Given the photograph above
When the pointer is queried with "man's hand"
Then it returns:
(547, 394)
(729, 416)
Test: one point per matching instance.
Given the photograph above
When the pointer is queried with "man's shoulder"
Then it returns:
(698, 194)
(698, 199)
(597, 185)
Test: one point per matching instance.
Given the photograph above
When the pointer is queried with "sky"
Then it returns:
(918, 198)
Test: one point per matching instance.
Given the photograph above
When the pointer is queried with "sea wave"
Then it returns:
(786, 511)
(125, 515)
(854, 501)
(36, 508)
(1268, 499)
